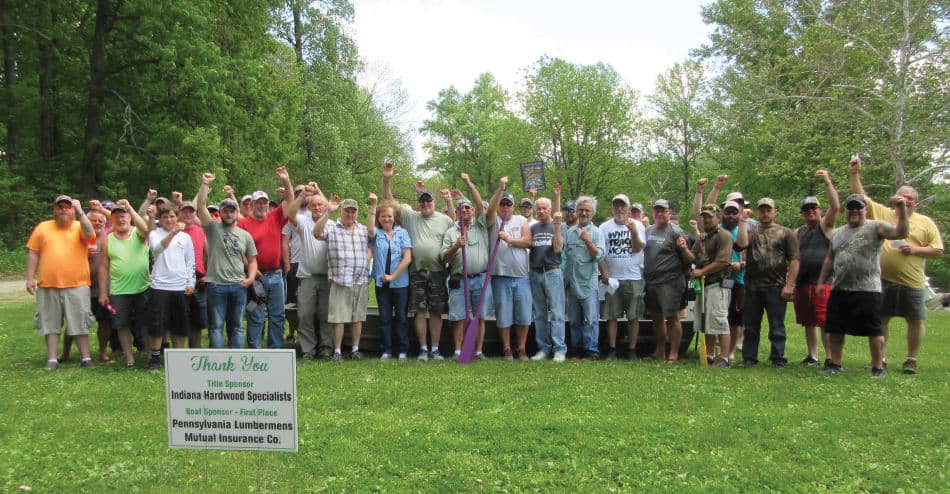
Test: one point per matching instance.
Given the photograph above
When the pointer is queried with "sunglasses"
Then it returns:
(424, 200)
(63, 205)
(854, 207)
(810, 207)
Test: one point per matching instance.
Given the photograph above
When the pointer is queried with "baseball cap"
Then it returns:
(162, 199)
(118, 208)
(621, 197)
(508, 197)
(107, 204)
(246, 198)
(188, 204)
(259, 194)
(810, 201)
(637, 206)
(858, 198)
(425, 192)
(349, 204)
(464, 202)
(766, 201)
(63, 198)
(661, 203)
(736, 196)
(732, 204)
(569, 206)
(213, 208)
(299, 188)
(526, 202)
(228, 203)
(709, 210)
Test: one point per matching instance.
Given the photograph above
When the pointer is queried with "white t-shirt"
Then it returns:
(174, 266)
(622, 262)
(313, 251)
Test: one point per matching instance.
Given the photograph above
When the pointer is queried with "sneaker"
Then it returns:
(710, 360)
(385, 357)
(632, 354)
(356, 355)
(750, 363)
(541, 355)
(306, 356)
(611, 354)
(51, 365)
(507, 353)
(810, 361)
(435, 355)
(559, 357)
(481, 356)
(87, 364)
(154, 364)
(403, 357)
(324, 354)
(721, 363)
(878, 373)
(910, 366)
(832, 369)
(337, 357)
(523, 355)
(779, 364)
(423, 356)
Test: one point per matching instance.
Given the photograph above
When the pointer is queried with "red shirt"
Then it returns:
(197, 235)
(266, 236)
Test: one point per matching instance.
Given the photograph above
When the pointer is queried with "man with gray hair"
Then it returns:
(584, 248)
(903, 262)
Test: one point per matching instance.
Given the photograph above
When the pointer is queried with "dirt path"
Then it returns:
(12, 286)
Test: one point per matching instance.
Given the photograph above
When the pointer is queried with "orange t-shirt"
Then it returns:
(64, 255)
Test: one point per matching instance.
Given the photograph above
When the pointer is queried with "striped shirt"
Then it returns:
(347, 252)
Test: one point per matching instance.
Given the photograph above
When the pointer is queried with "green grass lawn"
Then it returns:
(498, 426)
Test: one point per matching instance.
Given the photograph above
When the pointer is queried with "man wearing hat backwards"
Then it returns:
(229, 248)
(348, 244)
(59, 248)
(124, 276)
(855, 301)
(265, 226)
(902, 264)
(813, 241)
(428, 297)
(772, 266)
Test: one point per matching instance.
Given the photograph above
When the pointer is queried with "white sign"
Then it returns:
(231, 399)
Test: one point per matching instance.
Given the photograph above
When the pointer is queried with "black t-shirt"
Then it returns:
(542, 246)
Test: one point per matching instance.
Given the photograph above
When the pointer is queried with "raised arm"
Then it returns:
(201, 200)
(698, 199)
(834, 204)
(149, 199)
(446, 195)
(854, 175)
(371, 216)
(284, 177)
(141, 227)
(388, 171)
(492, 212)
(717, 186)
(476, 197)
(900, 230)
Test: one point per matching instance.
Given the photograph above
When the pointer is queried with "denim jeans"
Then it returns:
(393, 300)
(273, 282)
(584, 314)
(768, 300)
(226, 304)
(547, 293)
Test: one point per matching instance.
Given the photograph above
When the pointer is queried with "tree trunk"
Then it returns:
(45, 79)
(298, 50)
(97, 66)
(9, 84)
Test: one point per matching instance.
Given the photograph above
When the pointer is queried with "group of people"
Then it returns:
(174, 267)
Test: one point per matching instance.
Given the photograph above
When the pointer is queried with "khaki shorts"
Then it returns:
(57, 305)
(628, 299)
(347, 303)
(717, 310)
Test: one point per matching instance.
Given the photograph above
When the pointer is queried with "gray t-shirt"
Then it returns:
(662, 259)
(294, 238)
(542, 246)
(227, 248)
(857, 251)
(511, 261)
(426, 235)
(313, 250)
(476, 246)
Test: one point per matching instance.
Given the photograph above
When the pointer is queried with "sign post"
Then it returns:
(231, 399)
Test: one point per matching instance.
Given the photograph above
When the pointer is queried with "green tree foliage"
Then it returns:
(585, 118)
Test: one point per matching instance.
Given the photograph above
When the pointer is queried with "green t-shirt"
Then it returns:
(476, 246)
(128, 264)
(227, 248)
(426, 235)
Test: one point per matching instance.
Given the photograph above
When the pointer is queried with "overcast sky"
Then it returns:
(429, 45)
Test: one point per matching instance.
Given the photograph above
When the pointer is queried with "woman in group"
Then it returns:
(392, 253)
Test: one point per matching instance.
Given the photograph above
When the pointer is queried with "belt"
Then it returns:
(272, 271)
(470, 275)
(543, 269)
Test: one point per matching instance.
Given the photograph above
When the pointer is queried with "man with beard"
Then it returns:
(584, 249)
(665, 259)
(123, 276)
(427, 293)
(59, 248)
(855, 301)
(265, 226)
(510, 286)
(903, 262)
(813, 241)
(547, 279)
(474, 237)
(712, 256)
(230, 249)
(623, 261)
(772, 263)
(173, 279)
(197, 301)
(313, 290)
